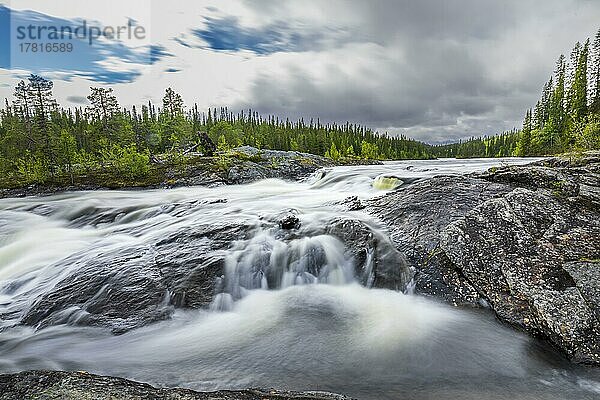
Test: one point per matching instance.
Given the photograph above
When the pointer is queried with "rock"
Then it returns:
(352, 203)
(586, 275)
(132, 287)
(517, 252)
(84, 386)
(416, 215)
(566, 320)
(251, 164)
(521, 239)
(576, 176)
(378, 263)
(240, 165)
(289, 221)
(247, 172)
(534, 177)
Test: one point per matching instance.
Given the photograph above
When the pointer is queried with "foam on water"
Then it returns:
(287, 313)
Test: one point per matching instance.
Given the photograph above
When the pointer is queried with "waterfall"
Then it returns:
(267, 262)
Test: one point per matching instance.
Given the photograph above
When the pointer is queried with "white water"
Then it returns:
(310, 330)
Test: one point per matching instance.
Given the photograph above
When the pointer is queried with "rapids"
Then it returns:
(288, 325)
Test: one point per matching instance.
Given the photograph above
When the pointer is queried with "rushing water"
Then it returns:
(304, 330)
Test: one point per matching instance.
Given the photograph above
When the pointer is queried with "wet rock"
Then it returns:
(523, 240)
(131, 287)
(569, 176)
(566, 320)
(247, 172)
(513, 251)
(255, 164)
(378, 263)
(240, 165)
(417, 214)
(289, 221)
(586, 275)
(534, 177)
(352, 203)
(85, 386)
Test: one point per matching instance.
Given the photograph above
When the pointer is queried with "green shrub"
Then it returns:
(127, 161)
(32, 169)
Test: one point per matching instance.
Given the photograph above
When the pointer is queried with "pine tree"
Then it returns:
(542, 108)
(172, 103)
(524, 145)
(40, 94)
(578, 90)
(556, 112)
(572, 66)
(594, 74)
(23, 109)
(104, 104)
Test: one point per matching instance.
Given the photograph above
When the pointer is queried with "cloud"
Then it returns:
(158, 52)
(421, 88)
(78, 99)
(85, 60)
(228, 34)
(433, 70)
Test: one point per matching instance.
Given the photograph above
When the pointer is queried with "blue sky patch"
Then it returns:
(226, 34)
(91, 61)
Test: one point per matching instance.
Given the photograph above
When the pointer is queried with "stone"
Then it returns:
(81, 385)
(289, 221)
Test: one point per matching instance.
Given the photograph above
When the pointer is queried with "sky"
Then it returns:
(434, 70)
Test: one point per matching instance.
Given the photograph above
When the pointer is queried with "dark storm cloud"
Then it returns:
(435, 70)
(382, 20)
(438, 84)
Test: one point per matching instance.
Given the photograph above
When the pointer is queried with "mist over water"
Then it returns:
(287, 325)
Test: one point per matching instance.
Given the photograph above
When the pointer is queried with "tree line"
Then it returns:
(566, 117)
(39, 139)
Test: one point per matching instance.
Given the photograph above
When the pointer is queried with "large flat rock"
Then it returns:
(60, 385)
(523, 240)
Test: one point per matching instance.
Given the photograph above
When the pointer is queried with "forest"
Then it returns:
(566, 117)
(39, 140)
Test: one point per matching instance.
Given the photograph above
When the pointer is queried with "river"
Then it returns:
(305, 331)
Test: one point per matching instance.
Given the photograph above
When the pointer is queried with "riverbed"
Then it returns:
(302, 331)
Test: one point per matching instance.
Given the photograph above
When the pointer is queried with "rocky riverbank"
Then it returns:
(522, 240)
(59, 385)
(240, 165)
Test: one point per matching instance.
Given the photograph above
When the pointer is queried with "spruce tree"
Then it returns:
(578, 90)
(172, 103)
(40, 94)
(104, 104)
(594, 74)
(556, 114)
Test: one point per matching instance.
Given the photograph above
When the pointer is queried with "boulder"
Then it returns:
(416, 215)
(523, 240)
(82, 385)
(132, 287)
(289, 221)
(251, 164)
(378, 263)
